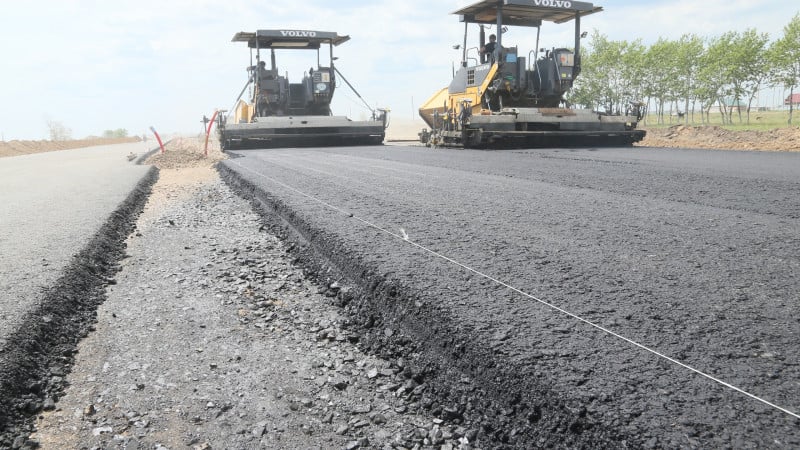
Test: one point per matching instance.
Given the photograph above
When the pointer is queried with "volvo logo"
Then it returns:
(566, 4)
(295, 33)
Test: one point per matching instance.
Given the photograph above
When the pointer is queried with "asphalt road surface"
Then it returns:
(51, 204)
(689, 254)
(63, 219)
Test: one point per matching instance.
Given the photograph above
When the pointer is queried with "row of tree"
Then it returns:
(59, 132)
(113, 134)
(689, 74)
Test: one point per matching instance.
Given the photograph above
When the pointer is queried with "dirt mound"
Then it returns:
(186, 152)
(16, 148)
(714, 137)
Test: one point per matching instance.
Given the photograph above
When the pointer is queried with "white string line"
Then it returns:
(532, 297)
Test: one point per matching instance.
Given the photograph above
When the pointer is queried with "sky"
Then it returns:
(94, 65)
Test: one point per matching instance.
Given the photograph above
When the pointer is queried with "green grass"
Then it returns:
(759, 120)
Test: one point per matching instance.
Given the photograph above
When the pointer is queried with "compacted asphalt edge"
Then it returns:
(38, 355)
(461, 376)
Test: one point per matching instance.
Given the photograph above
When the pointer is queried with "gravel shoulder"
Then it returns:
(211, 338)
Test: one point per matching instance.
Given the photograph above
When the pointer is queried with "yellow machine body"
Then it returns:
(447, 105)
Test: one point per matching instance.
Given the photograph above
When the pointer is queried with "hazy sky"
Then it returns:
(100, 65)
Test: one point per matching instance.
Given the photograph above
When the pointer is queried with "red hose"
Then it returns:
(158, 138)
(208, 131)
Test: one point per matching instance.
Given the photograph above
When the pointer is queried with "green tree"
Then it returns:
(750, 67)
(742, 67)
(680, 75)
(588, 89)
(712, 80)
(785, 55)
(662, 75)
(610, 74)
(113, 134)
(688, 58)
(635, 63)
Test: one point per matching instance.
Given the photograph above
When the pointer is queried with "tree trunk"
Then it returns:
(670, 113)
(686, 112)
(738, 108)
(791, 104)
(749, 107)
(659, 115)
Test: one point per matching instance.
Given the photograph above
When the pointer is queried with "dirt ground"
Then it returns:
(712, 137)
(16, 148)
(184, 152)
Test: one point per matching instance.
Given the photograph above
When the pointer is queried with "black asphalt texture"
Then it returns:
(690, 253)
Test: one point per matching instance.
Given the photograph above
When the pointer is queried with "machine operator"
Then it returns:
(489, 48)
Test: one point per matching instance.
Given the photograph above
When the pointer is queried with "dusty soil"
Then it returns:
(16, 148)
(187, 150)
(713, 137)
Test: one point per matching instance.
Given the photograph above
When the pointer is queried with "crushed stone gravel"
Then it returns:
(212, 338)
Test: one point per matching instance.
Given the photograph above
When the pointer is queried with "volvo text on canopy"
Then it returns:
(282, 113)
(505, 97)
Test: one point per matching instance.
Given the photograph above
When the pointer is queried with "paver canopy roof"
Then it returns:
(526, 13)
(289, 38)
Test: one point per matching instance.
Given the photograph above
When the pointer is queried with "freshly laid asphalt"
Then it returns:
(692, 254)
(51, 205)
